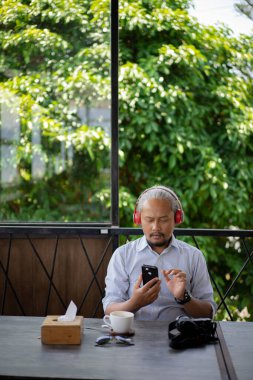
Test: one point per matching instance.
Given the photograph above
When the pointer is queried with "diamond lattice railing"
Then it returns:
(41, 272)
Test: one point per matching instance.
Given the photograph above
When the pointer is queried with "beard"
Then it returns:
(163, 243)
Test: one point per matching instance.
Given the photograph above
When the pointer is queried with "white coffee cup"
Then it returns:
(120, 321)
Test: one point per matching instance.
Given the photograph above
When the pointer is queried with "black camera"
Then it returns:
(186, 332)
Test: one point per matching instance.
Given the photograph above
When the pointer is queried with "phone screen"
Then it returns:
(148, 272)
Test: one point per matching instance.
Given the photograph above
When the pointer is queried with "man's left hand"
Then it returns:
(176, 282)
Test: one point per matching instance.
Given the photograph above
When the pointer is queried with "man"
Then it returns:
(183, 286)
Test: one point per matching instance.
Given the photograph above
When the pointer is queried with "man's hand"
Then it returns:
(142, 296)
(146, 294)
(176, 282)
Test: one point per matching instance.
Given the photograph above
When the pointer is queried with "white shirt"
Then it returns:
(125, 267)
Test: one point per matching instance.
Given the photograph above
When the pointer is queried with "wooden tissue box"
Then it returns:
(61, 332)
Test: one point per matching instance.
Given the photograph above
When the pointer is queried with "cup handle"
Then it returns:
(106, 319)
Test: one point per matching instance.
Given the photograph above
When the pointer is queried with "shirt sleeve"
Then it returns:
(201, 287)
(117, 280)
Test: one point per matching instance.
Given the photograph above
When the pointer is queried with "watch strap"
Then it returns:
(187, 298)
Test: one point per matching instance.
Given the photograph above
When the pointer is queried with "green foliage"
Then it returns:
(55, 59)
(186, 113)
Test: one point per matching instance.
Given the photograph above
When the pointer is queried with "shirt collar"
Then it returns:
(144, 244)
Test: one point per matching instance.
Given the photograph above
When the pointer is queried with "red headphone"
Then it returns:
(179, 214)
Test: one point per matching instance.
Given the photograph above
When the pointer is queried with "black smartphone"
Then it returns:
(148, 272)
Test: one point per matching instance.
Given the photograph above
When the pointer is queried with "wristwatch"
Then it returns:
(187, 298)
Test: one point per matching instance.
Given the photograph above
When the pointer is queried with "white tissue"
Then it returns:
(70, 313)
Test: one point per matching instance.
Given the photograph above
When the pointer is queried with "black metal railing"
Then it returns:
(115, 237)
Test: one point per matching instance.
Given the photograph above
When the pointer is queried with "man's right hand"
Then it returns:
(145, 295)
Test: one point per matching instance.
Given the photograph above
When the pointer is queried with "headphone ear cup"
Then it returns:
(179, 216)
(137, 217)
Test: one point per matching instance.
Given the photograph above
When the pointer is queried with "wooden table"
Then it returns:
(23, 355)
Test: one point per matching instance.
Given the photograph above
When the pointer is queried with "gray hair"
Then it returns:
(159, 192)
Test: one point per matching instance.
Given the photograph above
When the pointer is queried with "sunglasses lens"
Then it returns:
(103, 340)
(122, 340)
(119, 339)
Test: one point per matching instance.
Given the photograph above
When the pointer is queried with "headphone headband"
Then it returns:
(171, 192)
(179, 214)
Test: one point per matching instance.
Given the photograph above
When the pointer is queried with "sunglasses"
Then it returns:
(113, 339)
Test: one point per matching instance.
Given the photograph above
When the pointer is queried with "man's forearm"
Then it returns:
(122, 306)
(198, 308)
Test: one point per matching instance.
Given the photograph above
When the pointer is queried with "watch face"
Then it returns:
(187, 298)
